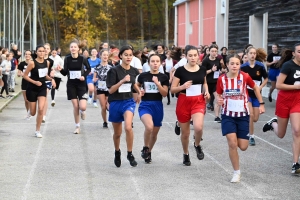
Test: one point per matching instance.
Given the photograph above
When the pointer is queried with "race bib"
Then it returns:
(235, 105)
(102, 84)
(297, 83)
(256, 83)
(75, 74)
(276, 58)
(216, 74)
(92, 70)
(194, 90)
(125, 87)
(150, 87)
(43, 72)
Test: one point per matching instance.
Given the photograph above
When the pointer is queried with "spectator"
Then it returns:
(6, 66)
(12, 74)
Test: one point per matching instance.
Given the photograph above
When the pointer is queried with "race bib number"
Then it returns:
(256, 83)
(216, 74)
(235, 105)
(43, 72)
(102, 84)
(125, 87)
(150, 87)
(276, 58)
(194, 90)
(75, 74)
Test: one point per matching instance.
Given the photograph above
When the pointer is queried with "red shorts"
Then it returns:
(187, 106)
(287, 102)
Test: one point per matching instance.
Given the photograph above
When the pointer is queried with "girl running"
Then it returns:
(36, 91)
(190, 82)
(256, 71)
(120, 82)
(92, 86)
(100, 76)
(288, 105)
(233, 97)
(155, 86)
(77, 68)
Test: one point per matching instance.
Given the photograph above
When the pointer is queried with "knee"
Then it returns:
(296, 133)
(128, 128)
(103, 107)
(149, 128)
(117, 135)
(232, 145)
(185, 135)
(243, 148)
(40, 111)
(82, 108)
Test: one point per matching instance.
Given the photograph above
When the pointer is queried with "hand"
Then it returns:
(214, 68)
(38, 83)
(155, 80)
(52, 73)
(261, 109)
(138, 98)
(206, 96)
(59, 68)
(53, 84)
(90, 73)
(82, 78)
(260, 88)
(275, 61)
(19, 53)
(187, 84)
(220, 101)
(126, 79)
(95, 80)
(142, 92)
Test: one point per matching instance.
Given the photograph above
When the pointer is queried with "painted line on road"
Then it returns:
(273, 145)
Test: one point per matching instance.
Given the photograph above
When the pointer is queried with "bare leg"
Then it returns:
(128, 116)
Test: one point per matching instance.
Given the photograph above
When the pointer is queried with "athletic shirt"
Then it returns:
(22, 67)
(169, 65)
(102, 75)
(39, 72)
(234, 92)
(75, 68)
(93, 63)
(208, 64)
(150, 88)
(271, 57)
(116, 74)
(292, 72)
(185, 75)
(256, 73)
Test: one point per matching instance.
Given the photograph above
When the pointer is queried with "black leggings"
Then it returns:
(168, 96)
(57, 81)
(5, 86)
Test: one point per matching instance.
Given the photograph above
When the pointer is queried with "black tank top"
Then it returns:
(39, 72)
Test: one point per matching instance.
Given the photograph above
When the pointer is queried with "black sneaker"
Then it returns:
(200, 154)
(105, 125)
(177, 128)
(268, 125)
(118, 158)
(1, 96)
(12, 90)
(217, 120)
(296, 168)
(270, 98)
(186, 160)
(145, 152)
(131, 160)
(148, 160)
(191, 122)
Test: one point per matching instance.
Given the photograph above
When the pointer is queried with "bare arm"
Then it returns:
(280, 85)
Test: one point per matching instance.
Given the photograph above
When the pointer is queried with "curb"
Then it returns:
(10, 100)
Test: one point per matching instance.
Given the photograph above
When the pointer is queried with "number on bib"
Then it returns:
(43, 72)
(102, 85)
(125, 87)
(235, 105)
(150, 87)
(75, 74)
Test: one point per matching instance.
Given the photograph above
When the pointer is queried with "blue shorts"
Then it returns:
(118, 108)
(153, 108)
(89, 80)
(49, 85)
(273, 73)
(254, 101)
(238, 125)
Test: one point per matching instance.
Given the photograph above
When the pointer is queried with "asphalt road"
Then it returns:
(62, 165)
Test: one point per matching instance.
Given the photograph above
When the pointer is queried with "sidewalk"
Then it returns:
(5, 102)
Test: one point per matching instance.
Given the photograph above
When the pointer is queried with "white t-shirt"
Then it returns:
(135, 62)
(6, 65)
(169, 65)
(146, 68)
(57, 60)
(182, 62)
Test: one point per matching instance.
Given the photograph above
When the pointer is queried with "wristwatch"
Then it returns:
(261, 103)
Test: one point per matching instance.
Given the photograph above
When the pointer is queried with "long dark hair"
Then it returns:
(286, 55)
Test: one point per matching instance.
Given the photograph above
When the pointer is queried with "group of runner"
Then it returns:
(201, 80)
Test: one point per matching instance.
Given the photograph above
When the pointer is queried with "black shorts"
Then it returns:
(33, 92)
(211, 87)
(57, 82)
(77, 91)
(24, 84)
(102, 92)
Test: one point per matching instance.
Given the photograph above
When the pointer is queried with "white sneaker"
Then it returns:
(90, 100)
(77, 130)
(38, 134)
(82, 114)
(44, 119)
(53, 103)
(95, 105)
(28, 116)
(236, 178)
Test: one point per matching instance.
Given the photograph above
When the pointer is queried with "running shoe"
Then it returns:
(200, 154)
(12, 90)
(28, 117)
(44, 119)
(38, 134)
(77, 130)
(10, 96)
(177, 128)
(105, 125)
(145, 152)
(82, 114)
(236, 178)
(296, 168)
(217, 120)
(252, 141)
(270, 98)
(148, 160)
(117, 158)
(191, 122)
(186, 160)
(208, 106)
(131, 160)
(90, 100)
(268, 126)
(1, 96)
(53, 103)
(95, 105)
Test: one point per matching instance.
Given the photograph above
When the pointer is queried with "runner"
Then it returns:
(191, 101)
(36, 91)
(100, 76)
(77, 68)
(288, 105)
(92, 87)
(256, 70)
(155, 86)
(22, 68)
(233, 97)
(120, 82)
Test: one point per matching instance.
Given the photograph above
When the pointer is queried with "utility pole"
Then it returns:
(8, 23)
(166, 24)
(142, 24)
(34, 17)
